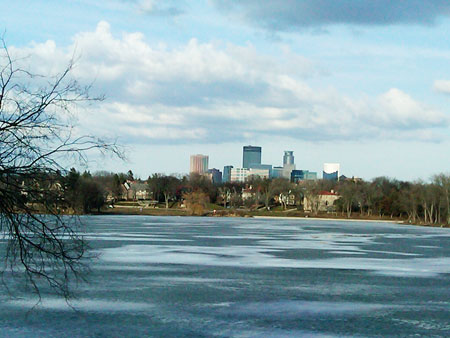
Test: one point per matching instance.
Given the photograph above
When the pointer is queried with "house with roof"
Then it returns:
(324, 201)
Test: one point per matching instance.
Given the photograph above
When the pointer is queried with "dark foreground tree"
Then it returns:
(36, 138)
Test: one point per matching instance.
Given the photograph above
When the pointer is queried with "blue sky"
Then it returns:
(363, 83)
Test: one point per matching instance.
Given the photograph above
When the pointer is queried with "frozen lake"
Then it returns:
(207, 277)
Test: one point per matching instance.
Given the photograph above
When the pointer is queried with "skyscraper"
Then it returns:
(288, 157)
(227, 173)
(251, 155)
(216, 175)
(288, 164)
(199, 164)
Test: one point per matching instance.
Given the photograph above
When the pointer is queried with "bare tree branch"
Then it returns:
(36, 138)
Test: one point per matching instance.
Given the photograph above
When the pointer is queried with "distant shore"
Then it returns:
(333, 219)
(261, 214)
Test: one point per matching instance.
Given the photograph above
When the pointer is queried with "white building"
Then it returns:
(243, 174)
(331, 171)
(262, 173)
(239, 174)
(323, 202)
(287, 169)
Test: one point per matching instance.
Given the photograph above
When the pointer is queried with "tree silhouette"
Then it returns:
(36, 137)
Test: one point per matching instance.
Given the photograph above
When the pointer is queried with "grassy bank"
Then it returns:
(221, 212)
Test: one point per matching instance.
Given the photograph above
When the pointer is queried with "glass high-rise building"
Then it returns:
(226, 177)
(216, 175)
(251, 155)
(199, 164)
(302, 175)
(262, 166)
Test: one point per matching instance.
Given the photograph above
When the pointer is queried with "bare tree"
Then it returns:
(36, 138)
(442, 182)
(311, 190)
(165, 185)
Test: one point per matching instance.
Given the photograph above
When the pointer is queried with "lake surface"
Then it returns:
(235, 277)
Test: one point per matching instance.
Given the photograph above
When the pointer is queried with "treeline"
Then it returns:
(86, 192)
(57, 192)
(417, 202)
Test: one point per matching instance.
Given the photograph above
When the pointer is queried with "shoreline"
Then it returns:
(333, 219)
(184, 213)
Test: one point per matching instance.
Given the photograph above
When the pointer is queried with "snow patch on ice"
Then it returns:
(299, 309)
(261, 257)
(91, 305)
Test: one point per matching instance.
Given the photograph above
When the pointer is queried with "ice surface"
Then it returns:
(134, 239)
(172, 276)
(261, 257)
(299, 309)
(92, 305)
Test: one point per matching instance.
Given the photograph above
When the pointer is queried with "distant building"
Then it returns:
(277, 172)
(287, 170)
(297, 175)
(247, 193)
(262, 166)
(251, 156)
(288, 164)
(310, 175)
(351, 179)
(288, 157)
(135, 191)
(302, 175)
(216, 176)
(323, 202)
(239, 174)
(331, 171)
(262, 173)
(227, 173)
(243, 174)
(199, 164)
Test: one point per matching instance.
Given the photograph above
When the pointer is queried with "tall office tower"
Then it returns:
(199, 164)
(288, 157)
(331, 171)
(226, 177)
(216, 175)
(251, 155)
(288, 164)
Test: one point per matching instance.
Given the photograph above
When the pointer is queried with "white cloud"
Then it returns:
(442, 86)
(402, 110)
(210, 92)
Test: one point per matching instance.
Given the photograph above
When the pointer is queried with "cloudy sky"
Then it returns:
(360, 82)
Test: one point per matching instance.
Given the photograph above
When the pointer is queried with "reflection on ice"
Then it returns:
(262, 257)
(298, 309)
(91, 305)
(249, 278)
(188, 280)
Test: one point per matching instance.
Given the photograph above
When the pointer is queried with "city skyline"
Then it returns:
(366, 85)
(252, 166)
